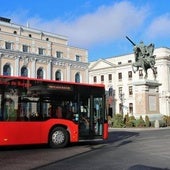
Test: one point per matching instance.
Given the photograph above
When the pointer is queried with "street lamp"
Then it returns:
(121, 97)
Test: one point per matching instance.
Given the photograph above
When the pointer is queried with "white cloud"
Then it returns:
(107, 23)
(160, 27)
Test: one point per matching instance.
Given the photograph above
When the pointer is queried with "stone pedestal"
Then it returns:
(147, 98)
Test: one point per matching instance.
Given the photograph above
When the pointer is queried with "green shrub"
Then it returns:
(126, 120)
(130, 122)
(118, 121)
(152, 123)
(166, 119)
(140, 122)
(132, 118)
(147, 121)
(162, 123)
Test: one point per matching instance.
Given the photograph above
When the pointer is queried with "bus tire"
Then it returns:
(59, 137)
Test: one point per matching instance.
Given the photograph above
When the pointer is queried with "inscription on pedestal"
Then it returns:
(152, 104)
(146, 97)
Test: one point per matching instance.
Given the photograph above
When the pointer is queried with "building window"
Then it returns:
(25, 48)
(130, 107)
(6, 70)
(40, 51)
(59, 54)
(77, 77)
(94, 79)
(129, 61)
(30, 35)
(120, 76)
(120, 90)
(15, 32)
(24, 71)
(110, 77)
(130, 91)
(140, 74)
(119, 63)
(130, 75)
(78, 58)
(58, 75)
(102, 78)
(8, 45)
(40, 73)
(47, 39)
(111, 91)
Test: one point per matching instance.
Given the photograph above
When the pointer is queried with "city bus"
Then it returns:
(37, 111)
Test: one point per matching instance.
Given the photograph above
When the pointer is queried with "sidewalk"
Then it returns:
(138, 129)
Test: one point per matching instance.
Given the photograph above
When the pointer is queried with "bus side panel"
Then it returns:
(105, 131)
(19, 133)
(51, 123)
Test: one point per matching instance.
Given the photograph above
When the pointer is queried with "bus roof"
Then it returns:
(52, 81)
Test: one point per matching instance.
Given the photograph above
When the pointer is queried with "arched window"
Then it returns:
(40, 73)
(7, 70)
(58, 75)
(24, 71)
(77, 77)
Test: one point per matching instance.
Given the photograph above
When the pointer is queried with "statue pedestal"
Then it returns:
(147, 99)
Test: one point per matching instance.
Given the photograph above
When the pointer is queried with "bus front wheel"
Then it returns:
(59, 137)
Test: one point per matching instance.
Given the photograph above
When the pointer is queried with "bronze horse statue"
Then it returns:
(144, 58)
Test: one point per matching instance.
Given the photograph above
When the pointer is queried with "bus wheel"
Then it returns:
(59, 137)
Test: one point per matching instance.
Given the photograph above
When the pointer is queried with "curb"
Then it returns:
(137, 129)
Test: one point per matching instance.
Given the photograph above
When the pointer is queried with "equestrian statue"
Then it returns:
(144, 58)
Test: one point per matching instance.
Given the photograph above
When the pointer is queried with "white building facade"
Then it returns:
(117, 75)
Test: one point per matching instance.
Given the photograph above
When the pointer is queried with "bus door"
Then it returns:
(91, 118)
(98, 116)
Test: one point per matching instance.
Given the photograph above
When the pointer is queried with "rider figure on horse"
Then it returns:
(140, 51)
(144, 57)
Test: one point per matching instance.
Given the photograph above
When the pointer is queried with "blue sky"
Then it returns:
(100, 26)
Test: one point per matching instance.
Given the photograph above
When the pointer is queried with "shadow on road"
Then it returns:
(116, 136)
(143, 167)
(24, 147)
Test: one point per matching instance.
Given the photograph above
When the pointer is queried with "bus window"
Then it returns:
(84, 119)
(29, 108)
(9, 106)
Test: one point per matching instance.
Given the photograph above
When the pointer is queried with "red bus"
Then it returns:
(37, 111)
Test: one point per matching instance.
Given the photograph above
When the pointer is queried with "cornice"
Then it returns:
(27, 57)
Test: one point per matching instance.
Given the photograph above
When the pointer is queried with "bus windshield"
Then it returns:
(37, 100)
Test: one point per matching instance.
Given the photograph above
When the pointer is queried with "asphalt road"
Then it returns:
(126, 149)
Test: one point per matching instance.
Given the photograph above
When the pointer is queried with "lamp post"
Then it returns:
(121, 97)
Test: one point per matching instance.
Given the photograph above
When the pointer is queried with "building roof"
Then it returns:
(7, 22)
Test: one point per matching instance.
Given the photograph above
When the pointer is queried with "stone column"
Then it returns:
(33, 68)
(49, 70)
(17, 66)
(68, 72)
